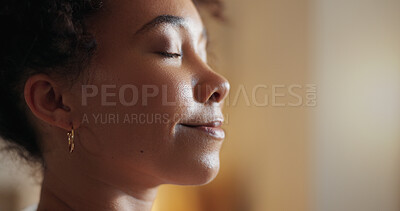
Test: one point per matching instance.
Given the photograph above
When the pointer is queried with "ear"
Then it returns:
(45, 99)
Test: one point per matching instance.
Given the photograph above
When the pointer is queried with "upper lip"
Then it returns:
(216, 123)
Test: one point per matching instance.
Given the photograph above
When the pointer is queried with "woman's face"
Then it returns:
(151, 107)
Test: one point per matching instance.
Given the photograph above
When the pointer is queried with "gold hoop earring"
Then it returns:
(71, 136)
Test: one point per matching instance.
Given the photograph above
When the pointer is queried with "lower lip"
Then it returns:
(215, 132)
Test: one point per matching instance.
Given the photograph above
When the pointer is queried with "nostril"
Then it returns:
(215, 97)
(212, 90)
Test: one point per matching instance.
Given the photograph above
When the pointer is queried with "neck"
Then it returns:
(82, 192)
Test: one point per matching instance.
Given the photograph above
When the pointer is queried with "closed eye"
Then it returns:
(169, 55)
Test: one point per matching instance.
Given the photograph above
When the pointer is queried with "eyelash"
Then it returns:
(169, 55)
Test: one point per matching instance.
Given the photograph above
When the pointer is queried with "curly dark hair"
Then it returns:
(43, 36)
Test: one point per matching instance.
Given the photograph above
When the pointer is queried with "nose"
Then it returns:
(211, 87)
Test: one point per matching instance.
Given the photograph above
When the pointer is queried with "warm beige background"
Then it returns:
(343, 155)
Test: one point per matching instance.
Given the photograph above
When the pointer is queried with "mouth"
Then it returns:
(211, 128)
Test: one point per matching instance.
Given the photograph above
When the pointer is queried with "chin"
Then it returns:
(199, 178)
(198, 173)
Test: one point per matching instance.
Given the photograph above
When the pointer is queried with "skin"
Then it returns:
(120, 165)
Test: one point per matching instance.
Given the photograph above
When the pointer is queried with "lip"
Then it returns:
(211, 128)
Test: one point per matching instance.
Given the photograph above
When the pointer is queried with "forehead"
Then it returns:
(135, 13)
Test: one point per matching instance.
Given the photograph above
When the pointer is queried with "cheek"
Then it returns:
(141, 132)
(161, 90)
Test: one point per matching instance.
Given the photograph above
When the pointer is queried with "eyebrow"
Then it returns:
(169, 19)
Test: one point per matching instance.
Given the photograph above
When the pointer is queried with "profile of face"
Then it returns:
(149, 108)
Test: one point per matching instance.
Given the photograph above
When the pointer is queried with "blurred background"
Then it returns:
(313, 117)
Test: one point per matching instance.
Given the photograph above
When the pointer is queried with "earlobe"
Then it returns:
(44, 98)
